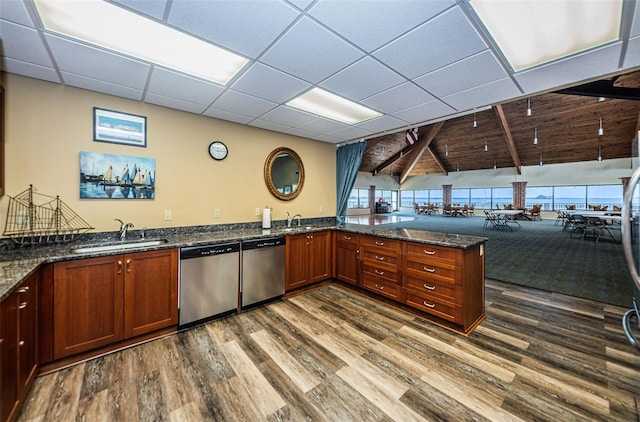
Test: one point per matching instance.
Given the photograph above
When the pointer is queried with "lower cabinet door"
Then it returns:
(88, 303)
(150, 291)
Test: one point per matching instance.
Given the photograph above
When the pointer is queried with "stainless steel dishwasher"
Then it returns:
(209, 282)
(263, 262)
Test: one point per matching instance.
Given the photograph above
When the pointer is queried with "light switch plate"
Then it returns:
(167, 215)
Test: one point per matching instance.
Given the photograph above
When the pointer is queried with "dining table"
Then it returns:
(511, 215)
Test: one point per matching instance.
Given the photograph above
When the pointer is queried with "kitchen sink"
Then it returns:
(119, 245)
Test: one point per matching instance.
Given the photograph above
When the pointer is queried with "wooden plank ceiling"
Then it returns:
(567, 127)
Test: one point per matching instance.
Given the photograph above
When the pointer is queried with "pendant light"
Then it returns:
(540, 164)
(486, 147)
(599, 153)
(535, 136)
(495, 167)
(528, 106)
(600, 129)
(446, 150)
(458, 166)
(475, 122)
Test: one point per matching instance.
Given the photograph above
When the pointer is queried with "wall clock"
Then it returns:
(218, 150)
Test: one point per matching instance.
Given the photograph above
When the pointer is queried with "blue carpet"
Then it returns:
(539, 254)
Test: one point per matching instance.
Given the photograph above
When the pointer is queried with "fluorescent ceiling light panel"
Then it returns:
(109, 26)
(532, 32)
(323, 103)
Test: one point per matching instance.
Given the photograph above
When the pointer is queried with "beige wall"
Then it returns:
(47, 125)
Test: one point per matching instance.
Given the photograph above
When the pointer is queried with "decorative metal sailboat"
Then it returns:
(50, 222)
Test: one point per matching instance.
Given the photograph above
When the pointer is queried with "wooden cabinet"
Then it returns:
(445, 282)
(308, 259)
(380, 263)
(100, 301)
(18, 346)
(347, 258)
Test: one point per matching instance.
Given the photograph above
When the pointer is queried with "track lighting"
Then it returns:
(600, 129)
(535, 136)
(599, 153)
(446, 150)
(475, 122)
(540, 164)
(528, 107)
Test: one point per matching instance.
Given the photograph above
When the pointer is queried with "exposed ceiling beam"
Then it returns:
(424, 145)
(603, 88)
(507, 134)
(386, 163)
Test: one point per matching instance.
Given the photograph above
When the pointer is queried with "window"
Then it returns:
(460, 196)
(481, 197)
(435, 196)
(501, 197)
(539, 195)
(605, 195)
(421, 196)
(359, 198)
(569, 195)
(406, 198)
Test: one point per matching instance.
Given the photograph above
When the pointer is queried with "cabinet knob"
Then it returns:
(428, 305)
(429, 252)
(426, 286)
(429, 270)
(21, 343)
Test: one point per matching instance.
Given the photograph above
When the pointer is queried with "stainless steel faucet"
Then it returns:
(123, 228)
(298, 216)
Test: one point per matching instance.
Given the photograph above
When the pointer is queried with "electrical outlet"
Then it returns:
(216, 213)
(258, 211)
(167, 215)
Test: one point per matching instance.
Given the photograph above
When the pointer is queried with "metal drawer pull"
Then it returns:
(429, 270)
(347, 238)
(22, 305)
(379, 287)
(428, 305)
(21, 343)
(380, 258)
(119, 267)
(379, 272)
(379, 243)
(429, 252)
(24, 289)
(128, 265)
(426, 286)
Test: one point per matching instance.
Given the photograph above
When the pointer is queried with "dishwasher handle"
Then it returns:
(263, 243)
(209, 250)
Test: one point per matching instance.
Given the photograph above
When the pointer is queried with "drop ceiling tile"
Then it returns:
(92, 63)
(398, 98)
(590, 64)
(488, 94)
(265, 124)
(349, 133)
(101, 86)
(29, 70)
(446, 39)
(632, 58)
(181, 87)
(269, 84)
(310, 52)
(154, 8)
(246, 27)
(287, 116)
(322, 125)
(378, 22)
(174, 103)
(226, 115)
(424, 112)
(246, 105)
(372, 78)
(23, 44)
(15, 11)
(329, 138)
(381, 124)
(301, 4)
(635, 26)
(478, 69)
(303, 133)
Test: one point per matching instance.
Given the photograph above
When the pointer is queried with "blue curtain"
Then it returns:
(348, 162)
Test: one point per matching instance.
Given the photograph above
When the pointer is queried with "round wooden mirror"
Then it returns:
(284, 174)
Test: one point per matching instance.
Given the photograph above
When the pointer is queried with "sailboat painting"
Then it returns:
(110, 176)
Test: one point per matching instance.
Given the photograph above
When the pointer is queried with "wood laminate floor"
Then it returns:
(331, 354)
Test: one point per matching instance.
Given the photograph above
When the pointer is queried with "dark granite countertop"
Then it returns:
(18, 263)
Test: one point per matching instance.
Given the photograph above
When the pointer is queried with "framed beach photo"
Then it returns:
(119, 128)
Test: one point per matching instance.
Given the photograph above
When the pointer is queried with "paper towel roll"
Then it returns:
(266, 218)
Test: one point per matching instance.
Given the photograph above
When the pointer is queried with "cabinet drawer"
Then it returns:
(423, 286)
(347, 239)
(438, 307)
(381, 273)
(381, 243)
(378, 285)
(377, 256)
(428, 252)
(442, 273)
